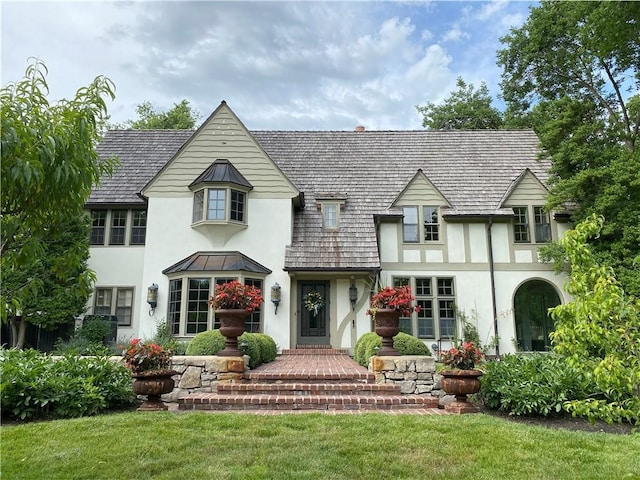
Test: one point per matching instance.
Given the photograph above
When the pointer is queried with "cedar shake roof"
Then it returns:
(365, 171)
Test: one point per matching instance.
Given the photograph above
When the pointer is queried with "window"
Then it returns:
(98, 226)
(118, 227)
(542, 225)
(431, 224)
(220, 205)
(109, 227)
(521, 225)
(216, 208)
(430, 221)
(436, 299)
(237, 206)
(175, 300)
(122, 307)
(410, 224)
(194, 315)
(197, 305)
(330, 215)
(138, 227)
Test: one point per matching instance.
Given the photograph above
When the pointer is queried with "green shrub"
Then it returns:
(34, 385)
(253, 348)
(405, 344)
(268, 347)
(165, 338)
(531, 384)
(260, 347)
(206, 343)
(95, 330)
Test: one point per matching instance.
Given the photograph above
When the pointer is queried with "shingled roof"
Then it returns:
(472, 170)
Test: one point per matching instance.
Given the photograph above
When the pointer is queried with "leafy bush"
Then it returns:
(34, 385)
(165, 338)
(260, 347)
(268, 347)
(95, 330)
(206, 343)
(405, 344)
(531, 384)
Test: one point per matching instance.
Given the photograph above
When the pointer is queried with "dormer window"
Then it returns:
(330, 216)
(220, 195)
(411, 224)
(330, 205)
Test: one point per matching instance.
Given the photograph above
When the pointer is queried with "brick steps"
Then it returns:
(310, 377)
(215, 401)
(300, 389)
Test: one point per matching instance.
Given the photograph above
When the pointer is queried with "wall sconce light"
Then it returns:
(353, 295)
(152, 297)
(276, 292)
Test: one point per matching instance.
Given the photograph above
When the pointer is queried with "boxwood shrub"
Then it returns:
(531, 384)
(405, 344)
(35, 385)
(260, 347)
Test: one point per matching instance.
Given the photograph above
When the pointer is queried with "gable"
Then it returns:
(420, 191)
(222, 135)
(526, 190)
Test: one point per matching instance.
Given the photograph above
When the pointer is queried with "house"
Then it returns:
(326, 217)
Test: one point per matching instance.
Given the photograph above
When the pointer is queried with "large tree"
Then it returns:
(180, 117)
(573, 70)
(464, 109)
(49, 166)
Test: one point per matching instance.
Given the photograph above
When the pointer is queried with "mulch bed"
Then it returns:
(567, 422)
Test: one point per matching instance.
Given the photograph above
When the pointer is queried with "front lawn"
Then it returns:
(309, 446)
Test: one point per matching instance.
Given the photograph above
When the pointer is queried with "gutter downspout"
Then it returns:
(493, 284)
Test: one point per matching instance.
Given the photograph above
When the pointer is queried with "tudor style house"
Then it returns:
(322, 219)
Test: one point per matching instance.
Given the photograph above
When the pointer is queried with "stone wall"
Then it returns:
(416, 374)
(201, 374)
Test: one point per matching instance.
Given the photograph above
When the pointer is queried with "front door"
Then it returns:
(313, 312)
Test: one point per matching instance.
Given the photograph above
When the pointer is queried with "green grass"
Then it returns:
(190, 446)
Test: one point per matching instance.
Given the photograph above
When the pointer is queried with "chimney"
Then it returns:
(359, 128)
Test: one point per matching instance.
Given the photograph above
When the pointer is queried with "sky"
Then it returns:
(278, 65)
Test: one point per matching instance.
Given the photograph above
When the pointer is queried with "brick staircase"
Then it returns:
(307, 378)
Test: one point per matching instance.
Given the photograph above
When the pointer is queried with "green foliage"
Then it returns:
(268, 347)
(165, 338)
(368, 344)
(260, 347)
(180, 117)
(531, 384)
(599, 331)
(35, 385)
(94, 330)
(464, 109)
(49, 165)
(206, 343)
(573, 69)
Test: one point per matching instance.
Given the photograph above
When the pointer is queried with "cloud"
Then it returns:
(279, 65)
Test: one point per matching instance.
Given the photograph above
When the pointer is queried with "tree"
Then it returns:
(598, 332)
(180, 117)
(63, 274)
(465, 109)
(572, 69)
(49, 166)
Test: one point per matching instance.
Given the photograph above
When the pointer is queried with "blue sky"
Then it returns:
(279, 65)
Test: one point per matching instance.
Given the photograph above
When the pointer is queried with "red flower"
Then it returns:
(398, 298)
(463, 357)
(236, 295)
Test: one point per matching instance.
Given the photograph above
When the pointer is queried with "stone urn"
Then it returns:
(461, 383)
(153, 384)
(387, 321)
(231, 326)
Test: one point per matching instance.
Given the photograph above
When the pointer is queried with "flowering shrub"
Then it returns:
(233, 295)
(143, 357)
(463, 357)
(398, 298)
(313, 302)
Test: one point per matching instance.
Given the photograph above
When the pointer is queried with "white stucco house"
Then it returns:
(455, 214)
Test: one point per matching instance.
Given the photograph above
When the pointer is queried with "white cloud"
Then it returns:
(298, 65)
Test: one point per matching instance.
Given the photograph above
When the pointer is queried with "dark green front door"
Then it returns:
(313, 324)
(533, 322)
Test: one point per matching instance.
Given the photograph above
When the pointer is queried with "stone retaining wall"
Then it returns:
(416, 374)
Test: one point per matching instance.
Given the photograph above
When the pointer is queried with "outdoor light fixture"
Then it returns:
(353, 295)
(276, 291)
(152, 297)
